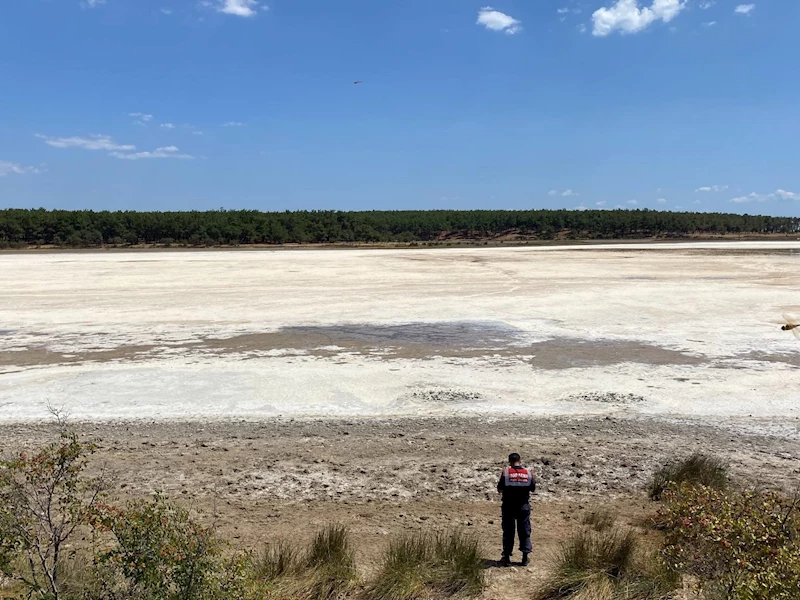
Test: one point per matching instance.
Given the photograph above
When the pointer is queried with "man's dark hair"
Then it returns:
(513, 458)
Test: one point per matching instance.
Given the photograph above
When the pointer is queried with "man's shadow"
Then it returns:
(497, 564)
(493, 564)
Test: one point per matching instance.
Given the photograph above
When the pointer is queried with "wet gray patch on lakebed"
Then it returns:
(454, 340)
(495, 341)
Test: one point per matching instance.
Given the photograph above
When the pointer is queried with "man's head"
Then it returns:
(514, 459)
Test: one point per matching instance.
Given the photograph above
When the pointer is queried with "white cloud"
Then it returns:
(712, 188)
(582, 28)
(168, 126)
(9, 168)
(784, 195)
(710, 24)
(564, 193)
(633, 202)
(92, 3)
(707, 4)
(627, 17)
(95, 142)
(240, 8)
(166, 11)
(233, 124)
(600, 204)
(143, 118)
(662, 200)
(196, 132)
(562, 11)
(754, 197)
(696, 202)
(494, 20)
(105, 143)
(165, 152)
(744, 9)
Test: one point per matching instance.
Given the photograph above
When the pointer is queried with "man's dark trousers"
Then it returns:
(516, 517)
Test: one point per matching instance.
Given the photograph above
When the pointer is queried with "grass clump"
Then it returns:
(325, 571)
(276, 560)
(425, 565)
(331, 562)
(698, 469)
(600, 519)
(607, 565)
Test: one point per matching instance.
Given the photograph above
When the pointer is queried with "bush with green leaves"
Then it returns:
(45, 500)
(699, 469)
(426, 565)
(739, 545)
(160, 550)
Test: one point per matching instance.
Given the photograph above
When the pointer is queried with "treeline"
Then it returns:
(84, 228)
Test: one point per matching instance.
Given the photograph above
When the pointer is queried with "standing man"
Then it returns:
(516, 484)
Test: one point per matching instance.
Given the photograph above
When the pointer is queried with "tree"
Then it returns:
(45, 498)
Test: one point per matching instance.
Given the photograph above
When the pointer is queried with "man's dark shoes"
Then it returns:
(505, 561)
(524, 562)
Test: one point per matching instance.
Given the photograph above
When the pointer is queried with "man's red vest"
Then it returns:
(517, 477)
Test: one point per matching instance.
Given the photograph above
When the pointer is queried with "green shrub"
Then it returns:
(160, 550)
(738, 545)
(608, 565)
(428, 565)
(700, 469)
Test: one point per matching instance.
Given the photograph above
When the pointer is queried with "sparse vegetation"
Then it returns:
(426, 565)
(600, 519)
(697, 469)
(608, 565)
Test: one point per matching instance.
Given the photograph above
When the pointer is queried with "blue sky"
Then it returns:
(187, 104)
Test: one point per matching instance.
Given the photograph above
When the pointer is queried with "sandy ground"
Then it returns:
(260, 481)
(275, 392)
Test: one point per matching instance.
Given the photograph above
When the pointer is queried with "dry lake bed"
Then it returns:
(675, 331)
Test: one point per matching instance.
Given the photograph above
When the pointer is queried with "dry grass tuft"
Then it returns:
(424, 565)
(607, 565)
(701, 469)
(600, 519)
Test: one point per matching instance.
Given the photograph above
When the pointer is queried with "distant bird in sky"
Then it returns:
(356, 82)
